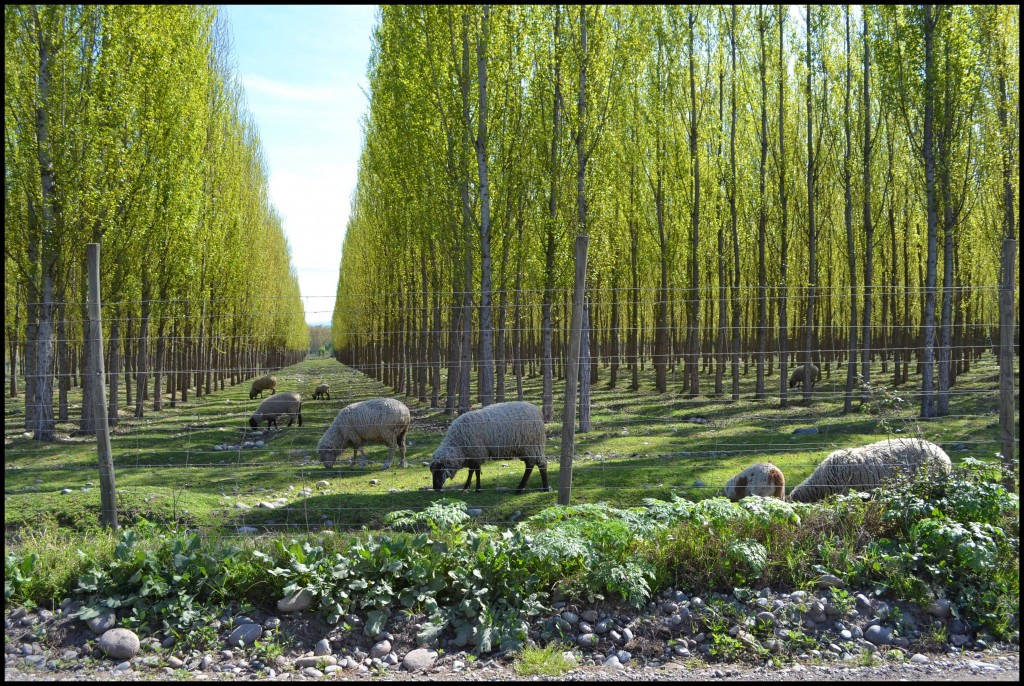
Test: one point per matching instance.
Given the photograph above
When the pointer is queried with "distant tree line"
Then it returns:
(760, 184)
(126, 126)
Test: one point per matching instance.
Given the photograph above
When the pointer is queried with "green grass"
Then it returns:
(642, 444)
(547, 661)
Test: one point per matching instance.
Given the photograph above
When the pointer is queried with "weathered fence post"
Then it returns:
(1006, 330)
(108, 502)
(572, 374)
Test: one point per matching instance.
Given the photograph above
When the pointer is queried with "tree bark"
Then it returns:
(114, 367)
(928, 327)
(720, 343)
(486, 380)
(735, 232)
(693, 304)
(813, 238)
(762, 276)
(42, 247)
(783, 227)
(851, 361)
(547, 325)
(63, 363)
(869, 229)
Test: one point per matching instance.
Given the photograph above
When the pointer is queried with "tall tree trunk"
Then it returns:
(161, 347)
(128, 368)
(928, 325)
(455, 315)
(185, 356)
(435, 353)
(547, 325)
(12, 346)
(614, 351)
(869, 229)
(720, 343)
(851, 362)
(762, 276)
(735, 232)
(42, 256)
(633, 342)
(946, 145)
(466, 353)
(114, 366)
(1009, 225)
(694, 300)
(87, 425)
(486, 380)
(783, 227)
(584, 370)
(517, 324)
(63, 363)
(140, 382)
(813, 238)
(586, 336)
(423, 363)
(661, 322)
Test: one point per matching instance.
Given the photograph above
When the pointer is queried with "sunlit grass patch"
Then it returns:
(547, 661)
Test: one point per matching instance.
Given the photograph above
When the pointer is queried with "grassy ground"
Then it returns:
(642, 444)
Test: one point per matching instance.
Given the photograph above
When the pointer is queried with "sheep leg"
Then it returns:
(391, 455)
(477, 470)
(526, 476)
(401, 441)
(544, 478)
(355, 454)
(469, 480)
(362, 451)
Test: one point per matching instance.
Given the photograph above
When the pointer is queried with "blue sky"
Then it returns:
(304, 72)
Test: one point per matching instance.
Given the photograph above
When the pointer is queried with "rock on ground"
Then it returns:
(122, 644)
(419, 659)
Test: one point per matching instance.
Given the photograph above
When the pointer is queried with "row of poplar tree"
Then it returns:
(126, 126)
(768, 182)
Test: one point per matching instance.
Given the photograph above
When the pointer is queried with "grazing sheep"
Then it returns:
(378, 420)
(322, 390)
(865, 467)
(287, 403)
(763, 478)
(797, 377)
(513, 429)
(264, 383)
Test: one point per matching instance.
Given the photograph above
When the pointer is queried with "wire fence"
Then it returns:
(201, 461)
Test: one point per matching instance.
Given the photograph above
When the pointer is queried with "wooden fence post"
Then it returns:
(1006, 381)
(108, 500)
(572, 374)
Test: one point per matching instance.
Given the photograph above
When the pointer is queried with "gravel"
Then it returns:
(623, 644)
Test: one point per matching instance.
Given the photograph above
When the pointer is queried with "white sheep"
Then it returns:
(864, 468)
(264, 383)
(797, 377)
(504, 430)
(763, 478)
(286, 403)
(378, 420)
(322, 390)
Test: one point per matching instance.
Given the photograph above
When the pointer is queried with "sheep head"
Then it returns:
(328, 453)
(444, 463)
